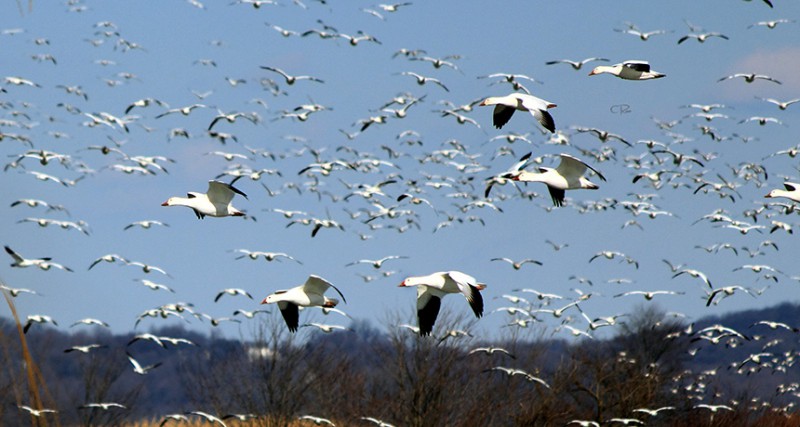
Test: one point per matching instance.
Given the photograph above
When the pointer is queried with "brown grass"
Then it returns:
(33, 374)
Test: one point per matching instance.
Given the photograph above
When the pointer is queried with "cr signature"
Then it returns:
(620, 109)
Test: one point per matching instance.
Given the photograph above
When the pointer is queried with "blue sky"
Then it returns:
(488, 37)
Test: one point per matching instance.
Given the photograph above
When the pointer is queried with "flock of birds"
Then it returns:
(378, 185)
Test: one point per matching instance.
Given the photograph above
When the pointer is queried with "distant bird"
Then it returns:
(568, 175)
(41, 263)
(231, 118)
(15, 292)
(504, 107)
(308, 294)
(491, 350)
(713, 408)
(771, 24)
(775, 325)
(155, 286)
(576, 65)
(144, 102)
(782, 105)
(145, 224)
(648, 295)
(512, 372)
(726, 291)
(148, 268)
(378, 422)
(393, 7)
(290, 80)
(269, 256)
(749, 77)
(138, 368)
(37, 318)
(85, 349)
(102, 405)
(643, 35)
(208, 417)
(316, 420)
(89, 321)
(701, 37)
(654, 412)
(421, 80)
(240, 417)
(183, 110)
(603, 135)
(376, 263)
(173, 417)
(326, 328)
(696, 274)
(232, 292)
(147, 337)
(36, 412)
(215, 202)
(517, 265)
(761, 120)
(248, 314)
(433, 287)
(110, 258)
(629, 70)
(791, 192)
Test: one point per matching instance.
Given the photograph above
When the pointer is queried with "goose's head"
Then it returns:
(170, 202)
(273, 298)
(600, 69)
(773, 193)
(410, 281)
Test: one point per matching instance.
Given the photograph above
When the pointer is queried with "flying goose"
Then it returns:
(629, 70)
(42, 263)
(216, 201)
(308, 294)
(504, 107)
(567, 176)
(433, 287)
(792, 192)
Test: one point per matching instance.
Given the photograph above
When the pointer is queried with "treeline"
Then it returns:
(724, 371)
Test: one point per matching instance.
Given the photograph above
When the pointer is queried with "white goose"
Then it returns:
(433, 287)
(215, 202)
(629, 70)
(567, 176)
(504, 107)
(308, 294)
(792, 192)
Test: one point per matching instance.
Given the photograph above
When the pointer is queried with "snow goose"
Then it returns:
(792, 192)
(138, 368)
(42, 263)
(629, 70)
(316, 420)
(215, 202)
(576, 65)
(782, 105)
(145, 224)
(701, 37)
(290, 80)
(504, 107)
(85, 349)
(308, 294)
(37, 318)
(36, 412)
(433, 287)
(749, 77)
(567, 176)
